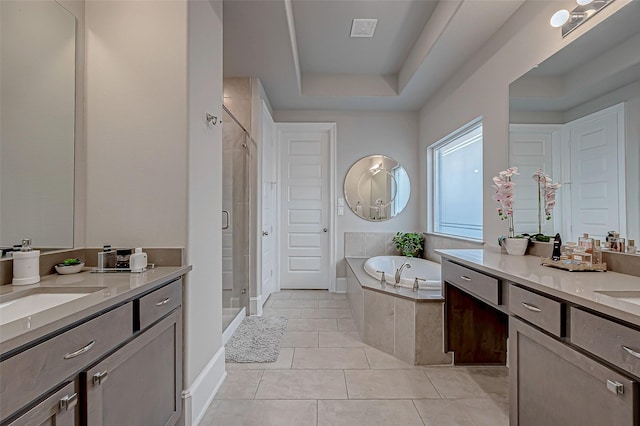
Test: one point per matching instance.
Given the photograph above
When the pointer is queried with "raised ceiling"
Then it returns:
(302, 52)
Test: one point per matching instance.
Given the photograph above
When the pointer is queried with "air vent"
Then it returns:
(363, 27)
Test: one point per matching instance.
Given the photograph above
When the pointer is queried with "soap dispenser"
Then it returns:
(138, 260)
(26, 264)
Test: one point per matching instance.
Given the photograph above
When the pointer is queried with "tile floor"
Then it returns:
(326, 376)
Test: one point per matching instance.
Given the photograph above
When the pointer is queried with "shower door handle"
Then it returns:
(226, 222)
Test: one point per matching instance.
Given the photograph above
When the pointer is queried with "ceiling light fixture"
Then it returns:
(569, 21)
(363, 27)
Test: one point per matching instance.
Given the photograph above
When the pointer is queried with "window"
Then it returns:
(457, 183)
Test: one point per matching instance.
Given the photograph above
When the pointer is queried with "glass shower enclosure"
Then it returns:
(238, 180)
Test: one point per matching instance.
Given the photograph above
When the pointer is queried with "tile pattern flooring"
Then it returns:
(326, 376)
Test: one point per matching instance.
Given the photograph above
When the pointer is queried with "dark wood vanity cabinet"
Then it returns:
(123, 367)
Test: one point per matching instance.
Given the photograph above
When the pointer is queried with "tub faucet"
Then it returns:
(399, 272)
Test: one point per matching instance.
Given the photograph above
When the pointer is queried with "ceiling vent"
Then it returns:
(363, 27)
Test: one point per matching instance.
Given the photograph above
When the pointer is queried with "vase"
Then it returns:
(515, 246)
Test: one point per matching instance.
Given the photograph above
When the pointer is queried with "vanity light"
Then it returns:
(570, 20)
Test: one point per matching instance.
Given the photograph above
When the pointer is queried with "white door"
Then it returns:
(530, 148)
(305, 203)
(597, 193)
(269, 205)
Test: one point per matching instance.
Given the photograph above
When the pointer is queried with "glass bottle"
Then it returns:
(586, 242)
(597, 253)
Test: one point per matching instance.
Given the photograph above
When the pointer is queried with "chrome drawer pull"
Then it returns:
(100, 377)
(68, 402)
(614, 387)
(80, 351)
(164, 302)
(464, 277)
(532, 308)
(631, 352)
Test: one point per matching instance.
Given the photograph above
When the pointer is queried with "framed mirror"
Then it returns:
(577, 117)
(37, 113)
(377, 188)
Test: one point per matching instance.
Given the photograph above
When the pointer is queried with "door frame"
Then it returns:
(619, 110)
(261, 181)
(318, 127)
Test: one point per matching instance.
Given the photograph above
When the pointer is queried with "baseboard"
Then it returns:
(341, 285)
(255, 305)
(228, 332)
(198, 397)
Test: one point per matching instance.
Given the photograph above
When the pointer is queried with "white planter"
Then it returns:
(515, 246)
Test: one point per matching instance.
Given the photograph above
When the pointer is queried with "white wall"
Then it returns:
(394, 134)
(481, 88)
(204, 352)
(136, 123)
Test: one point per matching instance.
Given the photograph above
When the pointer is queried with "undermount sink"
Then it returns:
(627, 296)
(13, 307)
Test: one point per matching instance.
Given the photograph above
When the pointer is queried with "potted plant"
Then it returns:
(409, 244)
(505, 188)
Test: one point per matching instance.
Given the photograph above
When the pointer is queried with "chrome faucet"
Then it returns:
(399, 272)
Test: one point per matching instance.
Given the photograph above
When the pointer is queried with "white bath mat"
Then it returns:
(257, 339)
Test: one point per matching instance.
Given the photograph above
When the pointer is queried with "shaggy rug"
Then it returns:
(257, 339)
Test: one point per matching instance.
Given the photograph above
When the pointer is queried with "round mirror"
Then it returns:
(377, 188)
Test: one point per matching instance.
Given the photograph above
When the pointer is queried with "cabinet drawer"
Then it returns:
(472, 281)
(159, 303)
(29, 374)
(57, 410)
(613, 342)
(538, 310)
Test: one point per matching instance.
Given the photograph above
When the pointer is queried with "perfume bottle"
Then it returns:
(631, 247)
(617, 243)
(586, 242)
(597, 253)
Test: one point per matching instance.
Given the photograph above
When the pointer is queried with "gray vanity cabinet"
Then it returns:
(60, 409)
(553, 384)
(140, 383)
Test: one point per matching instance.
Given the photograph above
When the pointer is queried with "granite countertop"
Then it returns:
(367, 281)
(103, 291)
(581, 288)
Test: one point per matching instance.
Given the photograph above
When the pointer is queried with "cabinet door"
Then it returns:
(553, 384)
(141, 383)
(60, 409)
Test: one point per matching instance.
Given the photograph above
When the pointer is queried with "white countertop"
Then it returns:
(110, 289)
(581, 288)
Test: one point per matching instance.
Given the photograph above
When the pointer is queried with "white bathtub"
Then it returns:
(420, 268)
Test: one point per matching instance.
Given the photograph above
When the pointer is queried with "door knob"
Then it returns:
(265, 233)
(324, 229)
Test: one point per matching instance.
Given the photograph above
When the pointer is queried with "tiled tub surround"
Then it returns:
(397, 321)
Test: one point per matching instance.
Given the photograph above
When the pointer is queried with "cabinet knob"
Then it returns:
(68, 402)
(100, 377)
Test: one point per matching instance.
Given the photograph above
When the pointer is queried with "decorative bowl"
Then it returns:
(69, 269)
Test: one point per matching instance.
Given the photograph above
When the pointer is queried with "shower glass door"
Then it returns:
(237, 184)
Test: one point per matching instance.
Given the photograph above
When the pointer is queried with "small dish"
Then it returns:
(69, 269)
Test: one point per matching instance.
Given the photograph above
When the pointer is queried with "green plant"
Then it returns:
(409, 244)
(71, 261)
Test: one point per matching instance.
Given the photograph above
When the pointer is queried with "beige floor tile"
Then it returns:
(311, 295)
(283, 362)
(307, 324)
(463, 412)
(369, 413)
(347, 325)
(344, 304)
(260, 413)
(326, 313)
(388, 384)
(295, 304)
(339, 296)
(493, 380)
(458, 382)
(302, 384)
(379, 360)
(300, 339)
(330, 358)
(339, 339)
(240, 384)
(282, 312)
(280, 295)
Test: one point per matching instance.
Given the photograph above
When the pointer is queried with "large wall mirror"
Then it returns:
(377, 188)
(37, 113)
(577, 116)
